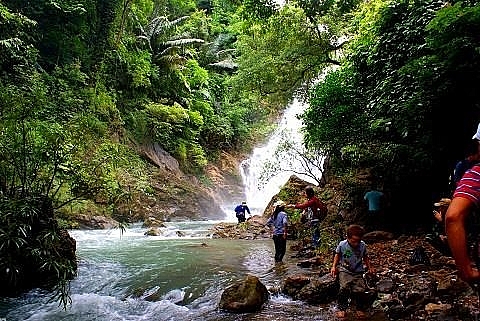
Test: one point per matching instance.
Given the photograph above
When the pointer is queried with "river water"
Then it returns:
(179, 275)
(118, 275)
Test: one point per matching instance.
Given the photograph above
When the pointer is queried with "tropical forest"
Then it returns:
(129, 109)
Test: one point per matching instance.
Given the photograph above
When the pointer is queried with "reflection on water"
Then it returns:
(135, 277)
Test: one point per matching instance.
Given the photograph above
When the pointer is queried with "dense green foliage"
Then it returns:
(404, 99)
(85, 85)
(33, 253)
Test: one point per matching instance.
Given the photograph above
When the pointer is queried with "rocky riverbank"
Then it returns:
(399, 290)
(427, 289)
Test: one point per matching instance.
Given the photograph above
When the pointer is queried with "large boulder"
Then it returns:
(247, 295)
(95, 222)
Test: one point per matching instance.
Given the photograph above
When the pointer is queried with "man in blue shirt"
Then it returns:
(375, 201)
(240, 211)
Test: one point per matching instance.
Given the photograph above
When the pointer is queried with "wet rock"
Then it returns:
(95, 222)
(319, 291)
(153, 222)
(256, 220)
(249, 230)
(154, 231)
(385, 285)
(247, 295)
(377, 236)
(311, 262)
(311, 289)
(396, 311)
(415, 292)
(294, 283)
(437, 308)
(153, 297)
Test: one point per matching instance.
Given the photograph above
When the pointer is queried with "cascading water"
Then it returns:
(259, 191)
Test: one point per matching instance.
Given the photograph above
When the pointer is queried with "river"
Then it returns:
(181, 274)
(118, 273)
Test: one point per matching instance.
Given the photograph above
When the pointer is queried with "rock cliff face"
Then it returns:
(178, 196)
(175, 195)
(227, 185)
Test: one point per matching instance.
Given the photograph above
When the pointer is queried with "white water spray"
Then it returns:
(258, 193)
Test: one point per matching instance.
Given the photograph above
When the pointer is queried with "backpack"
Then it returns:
(320, 213)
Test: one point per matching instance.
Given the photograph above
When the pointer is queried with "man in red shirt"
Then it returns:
(314, 212)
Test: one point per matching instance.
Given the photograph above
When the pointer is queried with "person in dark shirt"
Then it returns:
(240, 212)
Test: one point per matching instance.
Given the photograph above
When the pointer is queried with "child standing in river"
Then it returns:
(349, 264)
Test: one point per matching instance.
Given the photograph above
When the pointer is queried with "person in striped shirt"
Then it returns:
(463, 209)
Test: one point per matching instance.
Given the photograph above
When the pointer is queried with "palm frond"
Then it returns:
(181, 42)
(155, 26)
(161, 25)
(169, 51)
(177, 21)
(225, 64)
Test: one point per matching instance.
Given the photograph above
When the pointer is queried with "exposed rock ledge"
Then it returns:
(254, 228)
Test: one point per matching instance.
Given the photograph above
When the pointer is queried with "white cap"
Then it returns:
(279, 203)
(477, 134)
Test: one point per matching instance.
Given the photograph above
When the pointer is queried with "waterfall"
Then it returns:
(259, 190)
